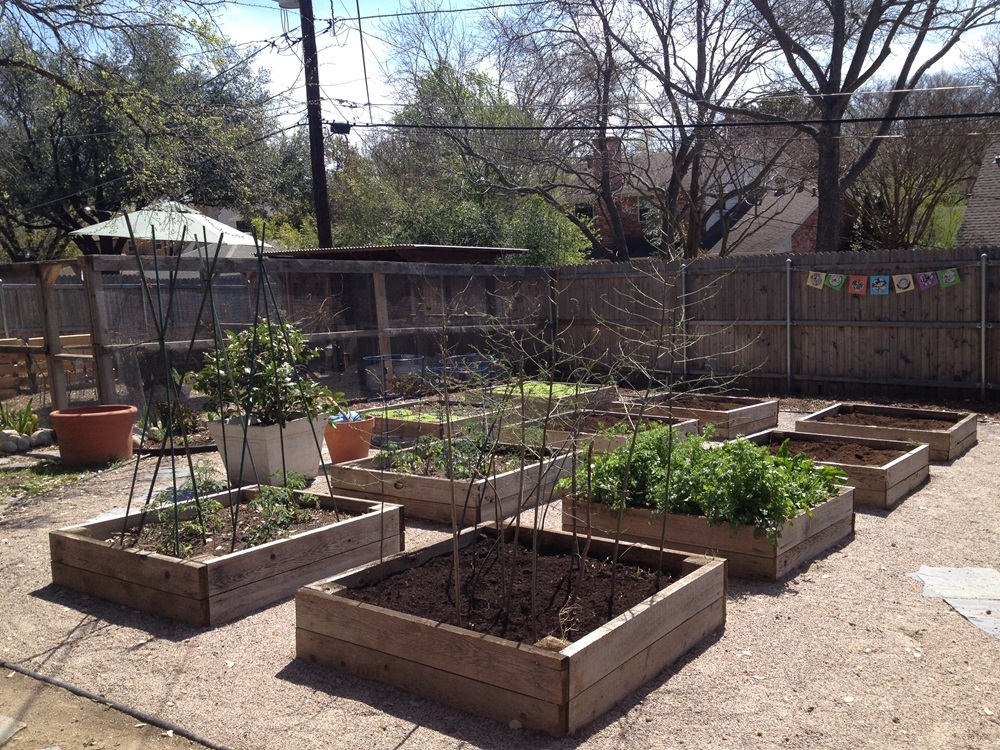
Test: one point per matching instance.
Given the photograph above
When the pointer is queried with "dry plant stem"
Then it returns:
(586, 547)
(666, 498)
(654, 361)
(451, 473)
(538, 501)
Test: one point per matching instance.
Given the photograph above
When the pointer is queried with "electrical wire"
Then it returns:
(668, 126)
(364, 66)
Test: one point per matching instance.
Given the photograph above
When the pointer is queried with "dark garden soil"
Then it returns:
(841, 453)
(428, 591)
(219, 542)
(478, 466)
(702, 402)
(604, 422)
(885, 420)
(200, 439)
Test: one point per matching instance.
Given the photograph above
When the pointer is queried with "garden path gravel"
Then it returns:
(845, 653)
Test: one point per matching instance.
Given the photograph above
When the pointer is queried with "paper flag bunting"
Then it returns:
(903, 283)
(835, 280)
(948, 277)
(879, 285)
(815, 279)
(882, 284)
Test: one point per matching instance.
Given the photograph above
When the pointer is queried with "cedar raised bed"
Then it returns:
(207, 591)
(566, 397)
(552, 691)
(731, 415)
(569, 430)
(430, 497)
(956, 434)
(428, 419)
(876, 485)
(749, 556)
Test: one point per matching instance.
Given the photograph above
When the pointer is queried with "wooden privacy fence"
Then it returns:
(756, 319)
(352, 309)
(752, 319)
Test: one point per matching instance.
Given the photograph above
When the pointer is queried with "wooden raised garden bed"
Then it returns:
(731, 415)
(207, 591)
(431, 497)
(555, 691)
(581, 431)
(882, 472)
(948, 433)
(411, 419)
(565, 397)
(749, 556)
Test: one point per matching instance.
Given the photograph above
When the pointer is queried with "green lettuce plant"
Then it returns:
(739, 482)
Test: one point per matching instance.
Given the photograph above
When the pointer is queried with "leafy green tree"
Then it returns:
(145, 120)
(550, 238)
(420, 185)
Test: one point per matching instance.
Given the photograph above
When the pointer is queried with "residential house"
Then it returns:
(979, 224)
(778, 216)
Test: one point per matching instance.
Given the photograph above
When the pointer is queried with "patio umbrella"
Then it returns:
(170, 221)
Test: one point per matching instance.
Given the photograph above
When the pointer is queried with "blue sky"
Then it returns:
(255, 23)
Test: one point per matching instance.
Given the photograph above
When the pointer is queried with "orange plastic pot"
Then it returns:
(94, 434)
(347, 441)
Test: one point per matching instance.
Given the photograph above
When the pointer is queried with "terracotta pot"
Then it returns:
(94, 434)
(348, 441)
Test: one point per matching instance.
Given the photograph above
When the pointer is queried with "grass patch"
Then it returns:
(29, 481)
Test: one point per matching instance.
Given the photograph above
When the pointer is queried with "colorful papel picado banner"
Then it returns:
(883, 284)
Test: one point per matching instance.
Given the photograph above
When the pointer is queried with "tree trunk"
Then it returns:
(828, 189)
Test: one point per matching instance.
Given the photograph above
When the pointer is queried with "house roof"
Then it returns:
(405, 253)
(767, 227)
(979, 225)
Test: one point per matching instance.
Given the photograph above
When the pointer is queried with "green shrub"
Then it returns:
(261, 374)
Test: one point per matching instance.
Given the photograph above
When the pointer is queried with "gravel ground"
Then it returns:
(844, 653)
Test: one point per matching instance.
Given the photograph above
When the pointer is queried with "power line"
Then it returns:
(405, 14)
(669, 126)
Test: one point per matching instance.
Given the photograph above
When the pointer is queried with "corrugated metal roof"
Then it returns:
(405, 253)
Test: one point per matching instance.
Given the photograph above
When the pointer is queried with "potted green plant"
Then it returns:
(271, 413)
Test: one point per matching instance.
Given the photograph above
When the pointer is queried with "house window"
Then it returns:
(647, 210)
(584, 210)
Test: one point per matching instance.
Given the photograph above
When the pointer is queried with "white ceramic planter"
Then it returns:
(268, 450)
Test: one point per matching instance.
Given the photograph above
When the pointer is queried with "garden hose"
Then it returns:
(142, 716)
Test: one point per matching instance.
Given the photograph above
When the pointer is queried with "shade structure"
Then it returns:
(169, 221)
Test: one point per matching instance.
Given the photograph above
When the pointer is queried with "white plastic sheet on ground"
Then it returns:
(972, 592)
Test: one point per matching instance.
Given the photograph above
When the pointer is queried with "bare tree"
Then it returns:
(923, 165)
(982, 65)
(832, 50)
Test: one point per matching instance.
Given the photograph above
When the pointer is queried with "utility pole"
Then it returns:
(314, 115)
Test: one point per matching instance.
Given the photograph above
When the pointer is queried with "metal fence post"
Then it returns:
(983, 324)
(788, 324)
(684, 325)
(3, 310)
